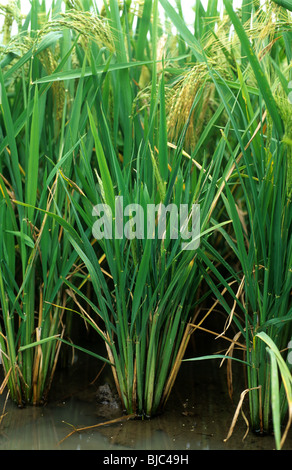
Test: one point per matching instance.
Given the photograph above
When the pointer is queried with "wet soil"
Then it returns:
(197, 416)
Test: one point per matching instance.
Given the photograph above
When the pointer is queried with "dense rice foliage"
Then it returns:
(100, 102)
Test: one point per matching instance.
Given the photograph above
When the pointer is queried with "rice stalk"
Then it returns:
(88, 114)
(261, 185)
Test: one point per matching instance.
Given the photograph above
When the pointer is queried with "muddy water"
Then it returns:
(197, 417)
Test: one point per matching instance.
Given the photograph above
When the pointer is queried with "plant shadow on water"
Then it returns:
(197, 416)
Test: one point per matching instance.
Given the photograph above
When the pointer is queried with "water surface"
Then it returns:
(197, 416)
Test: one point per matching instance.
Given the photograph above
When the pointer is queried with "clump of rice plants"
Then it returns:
(264, 243)
(145, 284)
(102, 111)
(259, 204)
(38, 148)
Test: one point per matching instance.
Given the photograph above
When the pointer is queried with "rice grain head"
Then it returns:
(11, 12)
(89, 25)
(181, 101)
(50, 64)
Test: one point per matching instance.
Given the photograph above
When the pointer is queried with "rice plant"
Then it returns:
(109, 106)
(38, 149)
(259, 202)
(264, 250)
(146, 288)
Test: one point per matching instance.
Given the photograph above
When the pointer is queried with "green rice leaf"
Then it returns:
(27, 240)
(183, 30)
(284, 3)
(254, 62)
(66, 225)
(103, 166)
(10, 129)
(33, 159)
(163, 151)
(58, 338)
(140, 282)
(88, 72)
(216, 356)
(275, 399)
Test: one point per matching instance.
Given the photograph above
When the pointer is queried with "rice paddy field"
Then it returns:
(145, 225)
